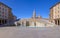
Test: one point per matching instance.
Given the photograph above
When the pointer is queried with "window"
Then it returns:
(51, 21)
(58, 15)
(58, 11)
(3, 9)
(0, 7)
(5, 16)
(0, 11)
(58, 7)
(0, 15)
(3, 13)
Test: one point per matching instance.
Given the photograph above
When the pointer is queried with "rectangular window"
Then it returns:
(0, 14)
(58, 15)
(0, 7)
(58, 11)
(58, 7)
(3, 9)
(0, 11)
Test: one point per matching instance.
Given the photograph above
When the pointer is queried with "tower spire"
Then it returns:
(34, 13)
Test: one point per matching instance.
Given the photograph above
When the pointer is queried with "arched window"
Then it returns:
(34, 24)
(22, 23)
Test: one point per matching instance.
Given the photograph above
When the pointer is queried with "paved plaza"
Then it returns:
(29, 32)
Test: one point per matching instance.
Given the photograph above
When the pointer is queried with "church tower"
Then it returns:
(34, 14)
(39, 16)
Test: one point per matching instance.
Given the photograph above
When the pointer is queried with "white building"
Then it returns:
(36, 21)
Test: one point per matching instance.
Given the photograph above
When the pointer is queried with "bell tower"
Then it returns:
(34, 14)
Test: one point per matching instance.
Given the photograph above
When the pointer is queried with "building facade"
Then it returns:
(35, 21)
(6, 15)
(38, 21)
(55, 14)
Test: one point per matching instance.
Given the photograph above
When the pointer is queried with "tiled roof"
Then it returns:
(43, 21)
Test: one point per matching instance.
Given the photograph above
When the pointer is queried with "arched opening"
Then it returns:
(58, 22)
(22, 23)
(34, 24)
(27, 23)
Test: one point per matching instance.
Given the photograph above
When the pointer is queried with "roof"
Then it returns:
(55, 5)
(43, 20)
(5, 5)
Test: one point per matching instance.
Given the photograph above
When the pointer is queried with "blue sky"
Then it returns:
(24, 8)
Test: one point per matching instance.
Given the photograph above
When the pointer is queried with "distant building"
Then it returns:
(55, 14)
(35, 21)
(6, 16)
(38, 21)
(34, 14)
